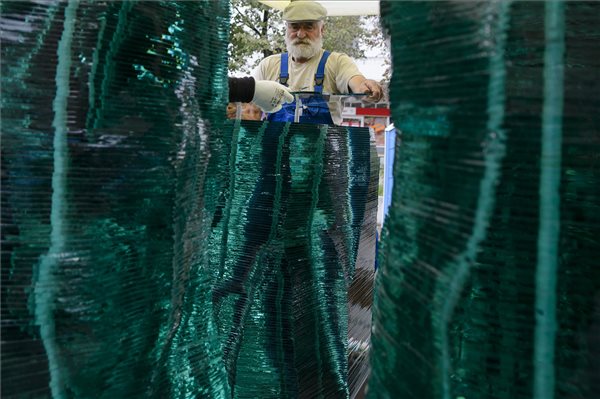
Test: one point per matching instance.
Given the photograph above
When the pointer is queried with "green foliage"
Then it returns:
(346, 35)
(257, 31)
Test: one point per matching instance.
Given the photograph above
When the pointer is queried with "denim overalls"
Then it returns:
(315, 109)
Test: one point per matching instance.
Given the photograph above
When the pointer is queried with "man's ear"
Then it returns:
(322, 28)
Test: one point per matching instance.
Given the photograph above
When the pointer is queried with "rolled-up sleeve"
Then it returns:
(241, 89)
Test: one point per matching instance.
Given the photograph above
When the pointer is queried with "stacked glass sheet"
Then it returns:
(109, 115)
(151, 250)
(489, 285)
(294, 232)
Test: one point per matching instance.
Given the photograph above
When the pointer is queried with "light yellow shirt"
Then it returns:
(339, 69)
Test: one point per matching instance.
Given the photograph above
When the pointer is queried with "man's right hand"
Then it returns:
(270, 96)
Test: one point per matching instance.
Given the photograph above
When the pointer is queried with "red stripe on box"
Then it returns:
(373, 111)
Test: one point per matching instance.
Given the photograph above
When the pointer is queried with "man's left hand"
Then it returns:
(374, 90)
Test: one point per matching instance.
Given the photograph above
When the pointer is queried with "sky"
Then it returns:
(372, 67)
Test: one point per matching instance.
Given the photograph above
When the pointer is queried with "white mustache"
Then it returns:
(303, 47)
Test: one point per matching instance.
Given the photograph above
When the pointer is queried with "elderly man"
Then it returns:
(306, 67)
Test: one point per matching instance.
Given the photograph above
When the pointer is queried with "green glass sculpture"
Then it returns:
(110, 112)
(149, 249)
(489, 284)
(294, 228)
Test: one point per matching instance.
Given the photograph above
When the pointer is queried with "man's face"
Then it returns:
(304, 39)
(251, 112)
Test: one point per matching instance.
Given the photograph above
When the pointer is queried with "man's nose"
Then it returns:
(301, 33)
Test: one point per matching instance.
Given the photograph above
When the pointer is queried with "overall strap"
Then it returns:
(320, 75)
(283, 70)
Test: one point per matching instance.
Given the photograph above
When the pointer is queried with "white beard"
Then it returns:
(306, 50)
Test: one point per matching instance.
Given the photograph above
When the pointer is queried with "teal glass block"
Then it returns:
(292, 249)
(489, 283)
(110, 113)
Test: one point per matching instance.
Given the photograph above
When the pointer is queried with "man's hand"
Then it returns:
(270, 96)
(358, 84)
(372, 87)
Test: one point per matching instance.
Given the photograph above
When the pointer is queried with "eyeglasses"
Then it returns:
(305, 26)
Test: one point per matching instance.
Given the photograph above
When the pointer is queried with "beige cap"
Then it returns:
(303, 10)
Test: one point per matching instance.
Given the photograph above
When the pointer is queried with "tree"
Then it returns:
(257, 31)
